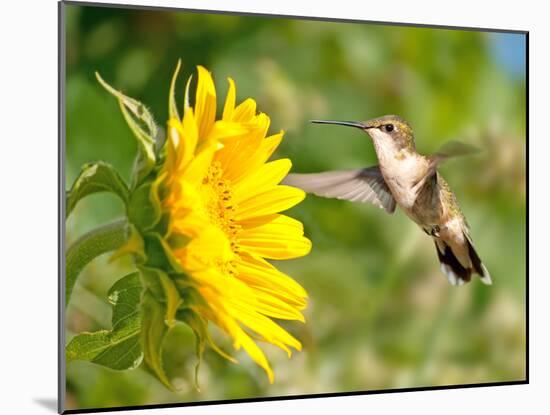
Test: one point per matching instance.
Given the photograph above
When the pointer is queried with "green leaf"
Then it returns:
(153, 332)
(144, 209)
(142, 124)
(98, 241)
(94, 178)
(120, 347)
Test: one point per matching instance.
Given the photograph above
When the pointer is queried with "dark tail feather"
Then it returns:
(479, 268)
(453, 269)
(450, 265)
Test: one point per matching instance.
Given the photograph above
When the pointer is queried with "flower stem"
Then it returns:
(90, 245)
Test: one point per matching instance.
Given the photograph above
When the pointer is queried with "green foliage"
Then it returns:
(134, 113)
(163, 289)
(89, 246)
(202, 338)
(94, 178)
(140, 321)
(118, 348)
(153, 332)
(144, 209)
(159, 254)
(159, 305)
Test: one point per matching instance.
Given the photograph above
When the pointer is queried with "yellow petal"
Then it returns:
(244, 340)
(244, 157)
(226, 130)
(276, 223)
(280, 238)
(205, 102)
(210, 247)
(259, 273)
(189, 223)
(198, 167)
(190, 136)
(183, 195)
(267, 176)
(244, 111)
(272, 201)
(268, 146)
(184, 136)
(169, 167)
(276, 307)
(265, 327)
(229, 106)
(236, 155)
(260, 124)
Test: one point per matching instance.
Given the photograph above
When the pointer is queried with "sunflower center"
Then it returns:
(218, 200)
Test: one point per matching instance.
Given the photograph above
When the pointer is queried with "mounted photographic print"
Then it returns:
(256, 207)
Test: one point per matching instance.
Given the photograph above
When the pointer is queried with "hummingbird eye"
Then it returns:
(389, 128)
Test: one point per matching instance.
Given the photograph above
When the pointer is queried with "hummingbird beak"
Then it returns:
(346, 123)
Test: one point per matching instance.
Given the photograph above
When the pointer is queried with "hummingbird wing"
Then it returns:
(448, 150)
(453, 148)
(360, 185)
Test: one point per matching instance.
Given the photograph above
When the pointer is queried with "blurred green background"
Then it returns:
(381, 315)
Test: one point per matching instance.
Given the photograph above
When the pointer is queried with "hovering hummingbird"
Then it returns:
(408, 179)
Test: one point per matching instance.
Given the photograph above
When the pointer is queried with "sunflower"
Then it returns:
(223, 200)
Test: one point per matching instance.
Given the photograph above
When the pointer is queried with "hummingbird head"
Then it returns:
(386, 130)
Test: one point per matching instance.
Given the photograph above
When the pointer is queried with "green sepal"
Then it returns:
(135, 113)
(200, 328)
(178, 240)
(153, 333)
(159, 254)
(163, 225)
(134, 246)
(120, 347)
(172, 107)
(151, 281)
(94, 178)
(144, 208)
(164, 290)
(172, 299)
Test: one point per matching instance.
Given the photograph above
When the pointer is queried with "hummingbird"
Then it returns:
(407, 179)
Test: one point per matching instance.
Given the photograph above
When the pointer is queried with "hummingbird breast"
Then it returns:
(402, 171)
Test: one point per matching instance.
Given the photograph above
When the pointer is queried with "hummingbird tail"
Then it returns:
(455, 272)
